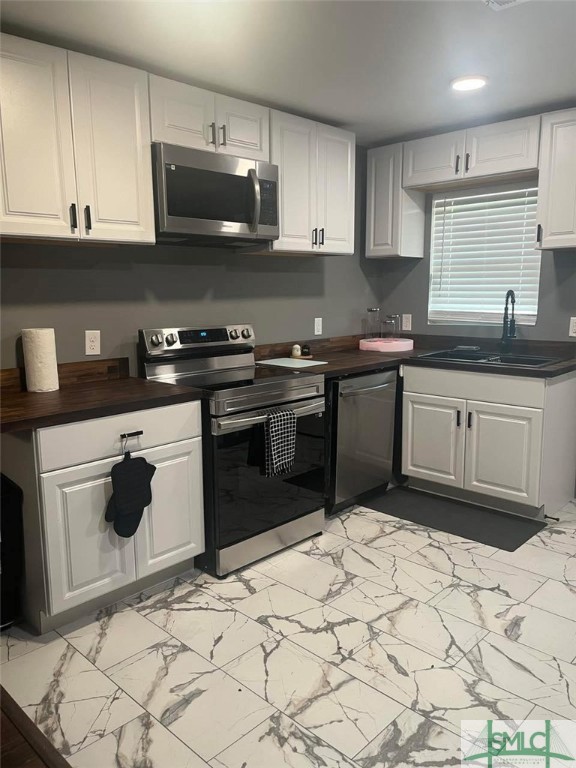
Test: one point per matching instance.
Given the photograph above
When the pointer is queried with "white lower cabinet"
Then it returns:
(73, 556)
(84, 557)
(500, 449)
(433, 440)
(168, 533)
(503, 448)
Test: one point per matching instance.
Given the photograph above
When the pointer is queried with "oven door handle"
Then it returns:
(226, 424)
(253, 176)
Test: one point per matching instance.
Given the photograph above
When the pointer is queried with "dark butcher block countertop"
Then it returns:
(90, 390)
(342, 362)
(87, 391)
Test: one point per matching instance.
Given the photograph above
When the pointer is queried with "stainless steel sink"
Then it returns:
(490, 358)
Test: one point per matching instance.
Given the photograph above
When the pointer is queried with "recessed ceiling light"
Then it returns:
(469, 83)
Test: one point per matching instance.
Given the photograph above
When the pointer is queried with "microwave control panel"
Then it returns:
(269, 203)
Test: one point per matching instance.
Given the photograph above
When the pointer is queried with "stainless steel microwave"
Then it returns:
(204, 198)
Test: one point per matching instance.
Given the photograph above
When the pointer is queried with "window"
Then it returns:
(482, 244)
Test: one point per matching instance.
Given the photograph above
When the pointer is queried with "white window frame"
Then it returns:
(490, 317)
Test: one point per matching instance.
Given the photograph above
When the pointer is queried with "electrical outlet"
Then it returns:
(92, 342)
(406, 322)
(317, 326)
(572, 327)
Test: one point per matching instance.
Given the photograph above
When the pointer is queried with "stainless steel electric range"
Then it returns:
(247, 515)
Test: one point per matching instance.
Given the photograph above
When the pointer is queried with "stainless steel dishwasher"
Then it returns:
(361, 437)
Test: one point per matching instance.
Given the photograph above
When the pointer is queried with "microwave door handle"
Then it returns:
(253, 176)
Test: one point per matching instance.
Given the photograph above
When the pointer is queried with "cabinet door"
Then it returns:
(293, 150)
(172, 528)
(433, 438)
(336, 186)
(182, 114)
(111, 122)
(243, 128)
(434, 159)
(502, 147)
(85, 558)
(38, 185)
(395, 217)
(503, 451)
(383, 201)
(557, 182)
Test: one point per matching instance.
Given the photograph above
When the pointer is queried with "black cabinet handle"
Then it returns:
(457, 168)
(469, 419)
(322, 236)
(315, 236)
(213, 133)
(126, 435)
(539, 234)
(87, 218)
(73, 216)
(467, 164)
(458, 417)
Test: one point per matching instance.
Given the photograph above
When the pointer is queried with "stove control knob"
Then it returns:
(171, 339)
(156, 339)
(234, 334)
(246, 333)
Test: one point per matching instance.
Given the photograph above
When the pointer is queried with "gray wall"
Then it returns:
(121, 289)
(405, 290)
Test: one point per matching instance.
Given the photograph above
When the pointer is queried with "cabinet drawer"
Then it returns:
(68, 445)
(468, 385)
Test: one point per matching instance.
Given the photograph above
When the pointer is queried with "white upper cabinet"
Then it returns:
(75, 152)
(316, 167)
(434, 159)
(293, 149)
(38, 184)
(243, 128)
(192, 117)
(182, 114)
(502, 147)
(489, 150)
(557, 182)
(336, 187)
(394, 217)
(111, 124)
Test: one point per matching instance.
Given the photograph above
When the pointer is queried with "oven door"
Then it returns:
(246, 502)
(201, 194)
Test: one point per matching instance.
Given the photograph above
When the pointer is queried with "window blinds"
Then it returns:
(482, 244)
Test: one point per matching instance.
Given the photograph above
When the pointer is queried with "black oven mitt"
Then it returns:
(131, 493)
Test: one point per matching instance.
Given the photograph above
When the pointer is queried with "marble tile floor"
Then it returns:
(362, 648)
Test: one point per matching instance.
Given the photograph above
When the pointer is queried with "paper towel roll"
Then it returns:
(40, 359)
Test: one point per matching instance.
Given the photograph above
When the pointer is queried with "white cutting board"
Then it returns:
(289, 362)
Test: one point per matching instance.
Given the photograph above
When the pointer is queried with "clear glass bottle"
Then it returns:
(373, 322)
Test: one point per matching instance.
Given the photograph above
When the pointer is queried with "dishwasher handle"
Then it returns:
(365, 390)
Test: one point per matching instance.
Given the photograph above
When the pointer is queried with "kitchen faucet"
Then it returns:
(508, 324)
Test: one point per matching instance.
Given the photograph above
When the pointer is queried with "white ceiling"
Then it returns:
(379, 68)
